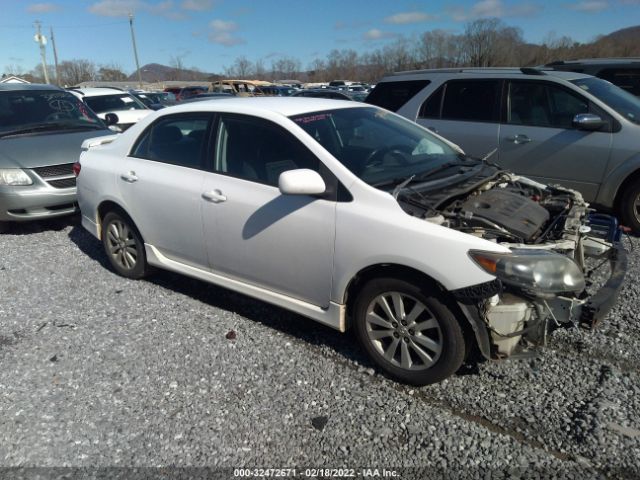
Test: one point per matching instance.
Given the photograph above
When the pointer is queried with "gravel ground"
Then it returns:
(100, 371)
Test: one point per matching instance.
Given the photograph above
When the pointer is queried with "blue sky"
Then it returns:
(210, 34)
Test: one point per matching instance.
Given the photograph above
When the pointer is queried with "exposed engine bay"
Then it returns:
(553, 236)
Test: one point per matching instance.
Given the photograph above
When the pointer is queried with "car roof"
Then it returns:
(527, 72)
(596, 61)
(286, 106)
(98, 91)
(28, 86)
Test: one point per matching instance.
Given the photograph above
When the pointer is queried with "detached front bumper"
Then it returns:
(600, 304)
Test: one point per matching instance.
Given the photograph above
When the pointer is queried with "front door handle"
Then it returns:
(519, 139)
(214, 196)
(129, 177)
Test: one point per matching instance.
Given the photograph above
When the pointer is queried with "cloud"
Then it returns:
(493, 8)
(409, 17)
(122, 8)
(375, 34)
(589, 6)
(222, 33)
(43, 8)
(198, 5)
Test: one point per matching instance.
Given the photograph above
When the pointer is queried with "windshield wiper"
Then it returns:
(43, 127)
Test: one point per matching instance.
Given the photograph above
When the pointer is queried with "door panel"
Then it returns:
(280, 242)
(475, 138)
(538, 139)
(165, 204)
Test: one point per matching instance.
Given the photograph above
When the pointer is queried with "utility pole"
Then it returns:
(42, 41)
(135, 51)
(55, 57)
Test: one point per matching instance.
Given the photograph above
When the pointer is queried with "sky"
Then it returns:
(211, 34)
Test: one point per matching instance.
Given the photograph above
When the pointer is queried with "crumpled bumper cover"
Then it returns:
(600, 304)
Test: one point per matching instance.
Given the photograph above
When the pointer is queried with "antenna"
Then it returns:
(42, 41)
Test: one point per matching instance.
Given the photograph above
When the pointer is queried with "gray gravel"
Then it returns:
(100, 371)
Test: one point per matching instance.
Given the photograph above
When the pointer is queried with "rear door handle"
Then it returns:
(214, 196)
(129, 177)
(519, 139)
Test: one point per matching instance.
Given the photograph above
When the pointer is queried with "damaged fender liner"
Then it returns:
(601, 303)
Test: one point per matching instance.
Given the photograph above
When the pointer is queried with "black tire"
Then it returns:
(437, 332)
(630, 207)
(124, 246)
(4, 227)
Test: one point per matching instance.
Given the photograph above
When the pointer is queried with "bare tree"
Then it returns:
(241, 68)
(111, 73)
(73, 72)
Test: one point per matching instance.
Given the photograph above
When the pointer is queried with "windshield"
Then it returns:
(377, 146)
(113, 103)
(24, 108)
(621, 101)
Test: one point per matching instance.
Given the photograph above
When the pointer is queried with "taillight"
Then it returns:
(76, 168)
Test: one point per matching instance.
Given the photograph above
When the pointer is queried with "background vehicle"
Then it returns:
(207, 96)
(323, 93)
(155, 100)
(103, 101)
(623, 72)
(188, 92)
(41, 130)
(352, 216)
(553, 126)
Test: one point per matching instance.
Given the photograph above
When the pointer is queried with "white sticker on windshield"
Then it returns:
(425, 147)
(127, 100)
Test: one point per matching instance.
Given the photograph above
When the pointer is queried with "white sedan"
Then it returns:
(352, 216)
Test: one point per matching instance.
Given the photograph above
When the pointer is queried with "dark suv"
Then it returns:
(623, 72)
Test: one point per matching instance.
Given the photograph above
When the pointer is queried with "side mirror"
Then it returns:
(588, 121)
(301, 182)
(111, 119)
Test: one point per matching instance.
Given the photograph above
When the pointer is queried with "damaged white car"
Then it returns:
(354, 217)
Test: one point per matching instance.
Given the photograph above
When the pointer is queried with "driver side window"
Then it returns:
(258, 150)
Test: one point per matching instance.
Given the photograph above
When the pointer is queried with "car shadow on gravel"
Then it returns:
(343, 345)
(39, 226)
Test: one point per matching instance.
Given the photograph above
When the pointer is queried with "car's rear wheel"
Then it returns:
(124, 246)
(407, 331)
(630, 207)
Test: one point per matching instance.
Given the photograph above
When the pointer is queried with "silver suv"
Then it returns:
(556, 127)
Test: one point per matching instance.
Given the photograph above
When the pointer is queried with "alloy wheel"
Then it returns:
(121, 245)
(404, 331)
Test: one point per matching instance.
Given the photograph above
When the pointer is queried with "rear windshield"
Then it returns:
(113, 103)
(42, 107)
(393, 95)
(622, 102)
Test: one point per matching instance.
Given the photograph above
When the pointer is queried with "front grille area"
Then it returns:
(63, 183)
(58, 176)
(54, 170)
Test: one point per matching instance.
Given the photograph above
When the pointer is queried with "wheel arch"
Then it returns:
(630, 179)
(472, 329)
(107, 206)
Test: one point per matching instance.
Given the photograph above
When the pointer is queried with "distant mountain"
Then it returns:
(155, 72)
(626, 35)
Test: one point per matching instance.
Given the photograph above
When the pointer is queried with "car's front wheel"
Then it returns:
(124, 246)
(409, 332)
(630, 207)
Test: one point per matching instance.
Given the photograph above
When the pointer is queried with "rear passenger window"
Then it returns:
(178, 140)
(393, 95)
(471, 100)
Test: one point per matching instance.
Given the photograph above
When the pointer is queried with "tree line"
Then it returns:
(483, 43)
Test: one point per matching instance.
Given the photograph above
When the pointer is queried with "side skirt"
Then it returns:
(334, 316)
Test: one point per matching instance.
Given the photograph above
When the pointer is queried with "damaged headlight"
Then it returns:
(14, 177)
(537, 271)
